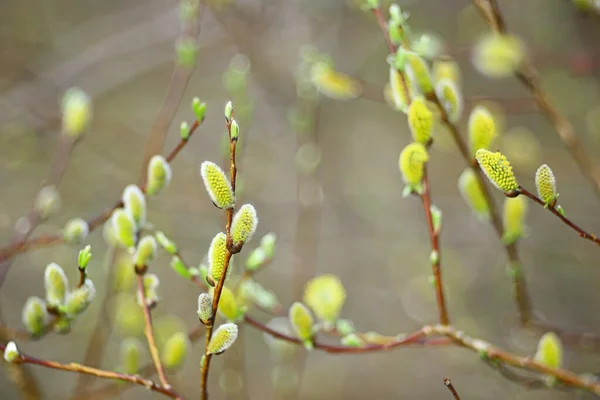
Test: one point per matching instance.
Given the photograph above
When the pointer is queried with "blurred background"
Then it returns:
(327, 183)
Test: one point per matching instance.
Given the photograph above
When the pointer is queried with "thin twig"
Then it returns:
(148, 331)
(99, 373)
(529, 77)
(450, 387)
(583, 234)
(435, 248)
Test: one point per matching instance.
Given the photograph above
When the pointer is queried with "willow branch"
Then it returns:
(451, 388)
(529, 77)
(582, 233)
(99, 373)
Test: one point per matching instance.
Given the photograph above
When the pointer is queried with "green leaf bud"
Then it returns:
(47, 201)
(175, 350)
(223, 338)
(35, 316)
(302, 322)
(498, 55)
(146, 251)
(412, 163)
(235, 130)
(421, 120)
(482, 129)
(76, 110)
(244, 224)
(159, 175)
(151, 284)
(344, 327)
(62, 325)
(545, 184)
(256, 259)
(11, 353)
(217, 185)
(166, 243)
(124, 227)
(79, 299)
(56, 284)
(180, 268)
(134, 201)
(325, 295)
(199, 109)
(427, 46)
(549, 351)
(497, 169)
(228, 110)
(473, 195)
(267, 243)
(131, 354)
(513, 219)
(216, 256)
(184, 131)
(75, 231)
(187, 51)
(436, 218)
(352, 340)
(251, 292)
(204, 307)
(451, 98)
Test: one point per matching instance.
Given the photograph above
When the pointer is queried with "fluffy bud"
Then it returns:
(146, 251)
(175, 350)
(56, 284)
(47, 201)
(451, 98)
(446, 69)
(75, 231)
(76, 112)
(244, 224)
(421, 120)
(302, 322)
(159, 175)
(204, 307)
(472, 192)
(514, 213)
(498, 170)
(134, 201)
(222, 338)
(35, 315)
(79, 299)
(398, 90)
(498, 55)
(326, 296)
(228, 305)
(545, 184)
(418, 73)
(267, 243)
(216, 256)
(412, 162)
(124, 227)
(256, 259)
(549, 351)
(482, 129)
(11, 353)
(151, 284)
(334, 84)
(62, 325)
(217, 185)
(131, 353)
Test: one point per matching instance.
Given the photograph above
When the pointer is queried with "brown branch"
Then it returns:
(148, 331)
(99, 373)
(435, 248)
(529, 77)
(583, 234)
(450, 387)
